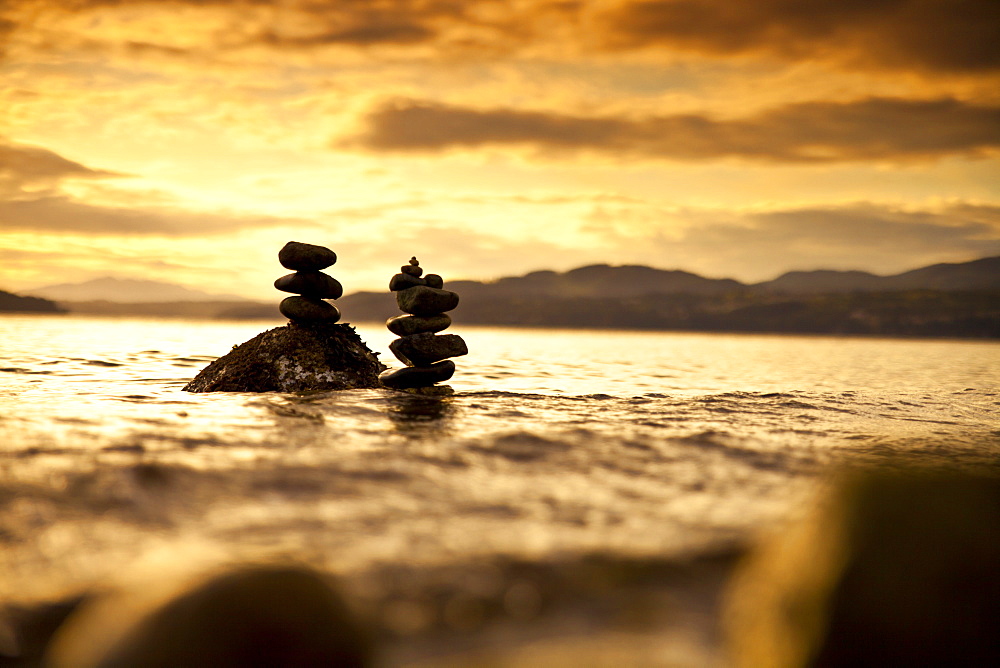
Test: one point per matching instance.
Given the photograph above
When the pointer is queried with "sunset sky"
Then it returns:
(188, 140)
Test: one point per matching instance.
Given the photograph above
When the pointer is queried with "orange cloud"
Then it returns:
(757, 245)
(60, 213)
(935, 36)
(33, 201)
(816, 132)
(23, 166)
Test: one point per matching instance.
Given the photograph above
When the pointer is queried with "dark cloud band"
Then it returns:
(939, 35)
(22, 165)
(935, 36)
(871, 129)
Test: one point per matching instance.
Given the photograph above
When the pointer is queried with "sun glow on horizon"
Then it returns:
(164, 141)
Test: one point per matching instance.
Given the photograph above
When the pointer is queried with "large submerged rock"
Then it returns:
(294, 358)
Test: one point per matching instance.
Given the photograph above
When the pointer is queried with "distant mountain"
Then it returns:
(601, 280)
(598, 281)
(11, 302)
(127, 291)
(821, 281)
(942, 300)
(981, 274)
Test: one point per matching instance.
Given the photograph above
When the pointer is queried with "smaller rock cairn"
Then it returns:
(424, 353)
(310, 285)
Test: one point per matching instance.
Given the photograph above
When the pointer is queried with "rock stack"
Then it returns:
(419, 347)
(314, 352)
(310, 285)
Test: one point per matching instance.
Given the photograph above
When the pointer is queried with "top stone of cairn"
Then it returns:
(305, 257)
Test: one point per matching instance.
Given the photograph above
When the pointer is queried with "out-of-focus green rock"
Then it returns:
(891, 568)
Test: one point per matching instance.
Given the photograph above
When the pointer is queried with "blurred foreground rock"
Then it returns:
(257, 616)
(892, 569)
(295, 358)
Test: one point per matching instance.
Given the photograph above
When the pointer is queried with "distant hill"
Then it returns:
(942, 300)
(820, 282)
(598, 281)
(981, 274)
(960, 299)
(127, 291)
(601, 280)
(16, 303)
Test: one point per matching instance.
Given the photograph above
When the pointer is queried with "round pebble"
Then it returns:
(417, 376)
(305, 257)
(422, 300)
(402, 281)
(311, 284)
(407, 325)
(424, 349)
(307, 309)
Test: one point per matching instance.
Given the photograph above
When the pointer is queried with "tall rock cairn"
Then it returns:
(424, 352)
(310, 285)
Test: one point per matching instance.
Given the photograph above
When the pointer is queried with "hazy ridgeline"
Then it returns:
(961, 300)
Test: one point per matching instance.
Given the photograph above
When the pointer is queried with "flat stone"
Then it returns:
(408, 325)
(411, 270)
(434, 281)
(418, 376)
(305, 257)
(311, 284)
(402, 281)
(295, 358)
(422, 300)
(424, 349)
(307, 309)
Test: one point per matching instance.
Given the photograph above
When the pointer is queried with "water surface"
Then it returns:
(556, 446)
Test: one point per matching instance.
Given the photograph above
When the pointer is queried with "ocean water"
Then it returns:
(581, 490)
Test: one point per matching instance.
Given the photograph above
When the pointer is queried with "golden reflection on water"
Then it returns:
(634, 445)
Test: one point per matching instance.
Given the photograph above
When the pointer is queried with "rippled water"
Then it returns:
(557, 446)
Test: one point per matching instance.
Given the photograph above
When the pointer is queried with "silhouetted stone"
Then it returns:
(415, 376)
(408, 325)
(305, 257)
(311, 284)
(307, 309)
(427, 348)
(422, 300)
(433, 281)
(892, 569)
(294, 358)
(413, 268)
(260, 616)
(402, 281)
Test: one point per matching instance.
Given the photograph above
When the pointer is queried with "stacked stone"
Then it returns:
(420, 348)
(310, 285)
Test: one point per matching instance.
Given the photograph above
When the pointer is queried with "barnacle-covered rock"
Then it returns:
(294, 358)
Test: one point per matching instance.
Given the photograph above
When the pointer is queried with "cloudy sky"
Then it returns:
(187, 140)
